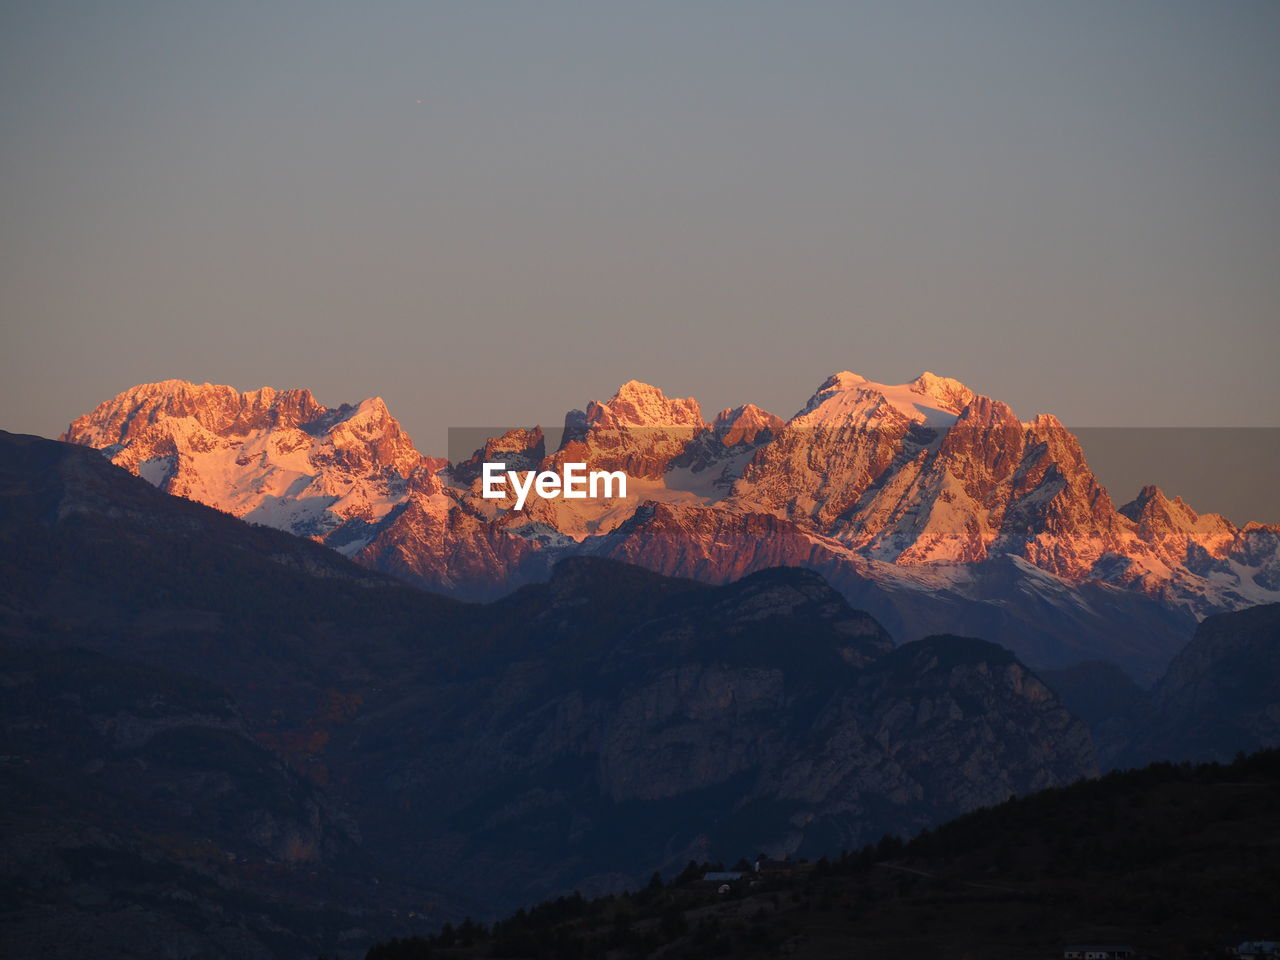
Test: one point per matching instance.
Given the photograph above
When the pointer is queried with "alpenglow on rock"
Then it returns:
(933, 506)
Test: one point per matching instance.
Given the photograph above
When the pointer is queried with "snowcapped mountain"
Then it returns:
(933, 506)
(348, 477)
(273, 457)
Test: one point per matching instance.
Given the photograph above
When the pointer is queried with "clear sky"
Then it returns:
(492, 212)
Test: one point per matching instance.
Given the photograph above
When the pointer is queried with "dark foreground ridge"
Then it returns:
(1169, 860)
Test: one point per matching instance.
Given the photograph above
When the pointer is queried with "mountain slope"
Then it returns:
(632, 721)
(575, 733)
(1173, 861)
(1219, 696)
(140, 818)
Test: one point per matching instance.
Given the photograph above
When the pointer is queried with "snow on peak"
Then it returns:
(844, 380)
(371, 410)
(843, 395)
(876, 468)
(950, 392)
(272, 456)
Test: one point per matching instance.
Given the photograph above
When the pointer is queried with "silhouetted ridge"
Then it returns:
(1168, 860)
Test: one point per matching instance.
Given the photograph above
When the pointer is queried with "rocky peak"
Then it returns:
(276, 457)
(951, 393)
(639, 430)
(637, 404)
(945, 656)
(779, 590)
(526, 445)
(847, 397)
(841, 381)
(369, 436)
(1058, 516)
(218, 408)
(1156, 515)
(745, 424)
(1150, 498)
(837, 383)
(851, 436)
(985, 443)
(1050, 444)
(722, 447)
(519, 448)
(1179, 536)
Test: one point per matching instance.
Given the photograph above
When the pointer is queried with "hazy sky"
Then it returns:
(492, 212)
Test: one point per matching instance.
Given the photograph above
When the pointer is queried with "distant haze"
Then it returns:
(494, 212)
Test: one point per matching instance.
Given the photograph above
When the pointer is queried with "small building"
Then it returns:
(1094, 951)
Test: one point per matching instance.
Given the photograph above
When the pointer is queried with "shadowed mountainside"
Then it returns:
(579, 732)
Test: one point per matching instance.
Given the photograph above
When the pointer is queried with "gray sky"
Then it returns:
(1073, 207)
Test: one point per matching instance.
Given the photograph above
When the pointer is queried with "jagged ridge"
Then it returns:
(916, 486)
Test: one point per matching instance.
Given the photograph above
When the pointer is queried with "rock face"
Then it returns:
(699, 722)
(942, 710)
(927, 488)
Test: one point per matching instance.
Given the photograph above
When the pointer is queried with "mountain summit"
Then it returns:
(274, 457)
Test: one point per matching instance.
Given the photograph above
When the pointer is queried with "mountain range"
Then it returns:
(932, 507)
(228, 740)
(212, 686)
